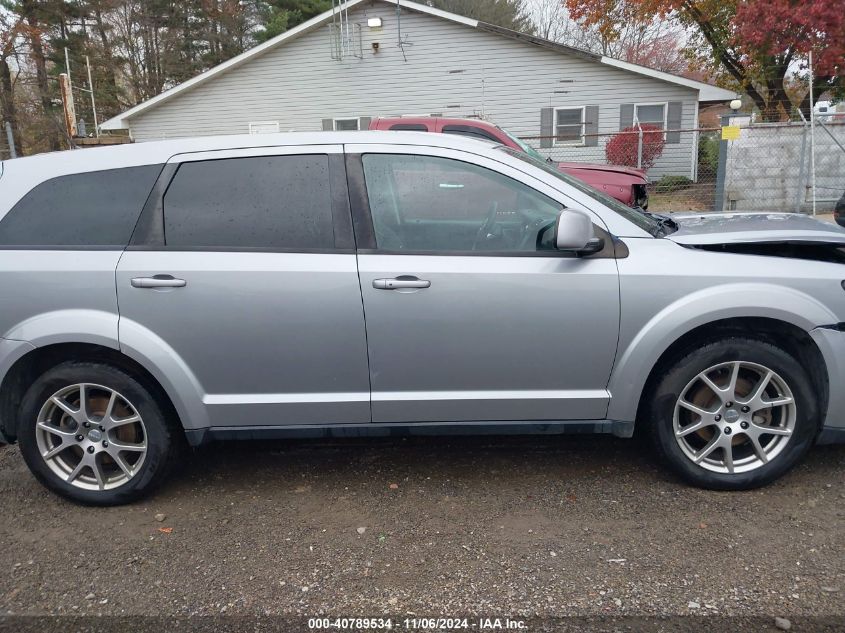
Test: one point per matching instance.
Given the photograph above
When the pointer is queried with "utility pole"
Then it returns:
(93, 99)
(812, 137)
(68, 107)
(66, 86)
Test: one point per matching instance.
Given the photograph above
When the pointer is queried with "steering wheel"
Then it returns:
(531, 229)
(484, 233)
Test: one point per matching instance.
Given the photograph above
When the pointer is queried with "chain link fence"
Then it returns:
(768, 167)
(772, 166)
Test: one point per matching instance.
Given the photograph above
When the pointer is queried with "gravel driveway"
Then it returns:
(543, 526)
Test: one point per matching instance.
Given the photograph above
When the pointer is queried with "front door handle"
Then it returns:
(401, 282)
(158, 281)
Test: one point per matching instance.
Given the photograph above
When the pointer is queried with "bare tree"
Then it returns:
(656, 43)
(11, 27)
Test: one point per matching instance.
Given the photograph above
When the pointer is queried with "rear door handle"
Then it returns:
(400, 282)
(158, 281)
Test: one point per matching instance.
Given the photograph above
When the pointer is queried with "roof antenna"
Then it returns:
(401, 42)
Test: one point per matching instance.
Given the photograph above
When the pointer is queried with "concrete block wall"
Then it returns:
(769, 167)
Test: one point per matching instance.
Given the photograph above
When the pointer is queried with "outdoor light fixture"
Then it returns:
(374, 23)
(736, 104)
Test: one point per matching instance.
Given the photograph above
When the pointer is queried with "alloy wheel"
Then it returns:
(734, 417)
(91, 437)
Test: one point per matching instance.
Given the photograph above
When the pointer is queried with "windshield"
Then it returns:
(642, 219)
(533, 153)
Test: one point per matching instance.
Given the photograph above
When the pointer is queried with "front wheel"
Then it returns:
(95, 434)
(734, 414)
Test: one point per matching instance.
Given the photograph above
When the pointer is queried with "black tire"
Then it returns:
(662, 398)
(163, 436)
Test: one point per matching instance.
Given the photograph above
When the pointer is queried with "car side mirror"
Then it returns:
(575, 232)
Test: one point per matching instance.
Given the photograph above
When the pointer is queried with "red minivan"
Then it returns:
(626, 184)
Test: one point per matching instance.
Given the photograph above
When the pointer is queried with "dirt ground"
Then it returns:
(534, 526)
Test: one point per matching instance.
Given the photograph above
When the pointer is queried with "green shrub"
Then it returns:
(668, 184)
(708, 155)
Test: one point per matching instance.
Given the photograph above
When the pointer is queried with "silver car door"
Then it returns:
(466, 319)
(245, 276)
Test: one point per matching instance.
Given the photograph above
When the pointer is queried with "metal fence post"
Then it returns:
(719, 201)
(639, 146)
(799, 190)
(10, 138)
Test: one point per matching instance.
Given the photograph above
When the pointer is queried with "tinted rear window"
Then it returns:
(98, 208)
(409, 127)
(470, 131)
(261, 202)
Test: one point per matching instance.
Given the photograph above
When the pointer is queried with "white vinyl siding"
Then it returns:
(507, 81)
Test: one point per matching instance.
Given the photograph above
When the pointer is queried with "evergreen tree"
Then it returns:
(510, 14)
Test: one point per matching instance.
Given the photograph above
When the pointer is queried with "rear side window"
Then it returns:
(471, 132)
(261, 202)
(409, 127)
(98, 208)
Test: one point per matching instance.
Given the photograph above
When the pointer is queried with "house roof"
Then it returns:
(707, 92)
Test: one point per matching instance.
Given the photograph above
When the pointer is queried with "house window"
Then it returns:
(651, 114)
(264, 127)
(569, 126)
(347, 125)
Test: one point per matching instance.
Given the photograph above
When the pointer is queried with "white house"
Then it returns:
(393, 57)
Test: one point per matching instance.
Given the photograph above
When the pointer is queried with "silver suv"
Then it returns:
(375, 283)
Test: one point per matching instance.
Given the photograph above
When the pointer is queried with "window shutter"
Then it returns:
(328, 125)
(364, 122)
(626, 115)
(673, 121)
(591, 126)
(547, 129)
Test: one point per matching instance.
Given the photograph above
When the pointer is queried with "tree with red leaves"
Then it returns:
(756, 46)
(624, 148)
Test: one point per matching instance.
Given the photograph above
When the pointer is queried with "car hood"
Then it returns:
(616, 169)
(750, 228)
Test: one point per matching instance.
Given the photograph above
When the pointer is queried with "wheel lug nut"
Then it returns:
(744, 425)
(86, 425)
(727, 430)
(79, 438)
(105, 444)
(718, 417)
(729, 404)
(102, 428)
(91, 449)
(746, 409)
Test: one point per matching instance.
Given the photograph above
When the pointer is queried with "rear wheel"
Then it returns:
(734, 414)
(95, 434)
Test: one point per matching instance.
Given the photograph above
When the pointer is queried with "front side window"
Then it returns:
(652, 114)
(640, 218)
(432, 204)
(569, 126)
(261, 202)
(97, 209)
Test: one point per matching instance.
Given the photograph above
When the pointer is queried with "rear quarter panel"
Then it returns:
(58, 296)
